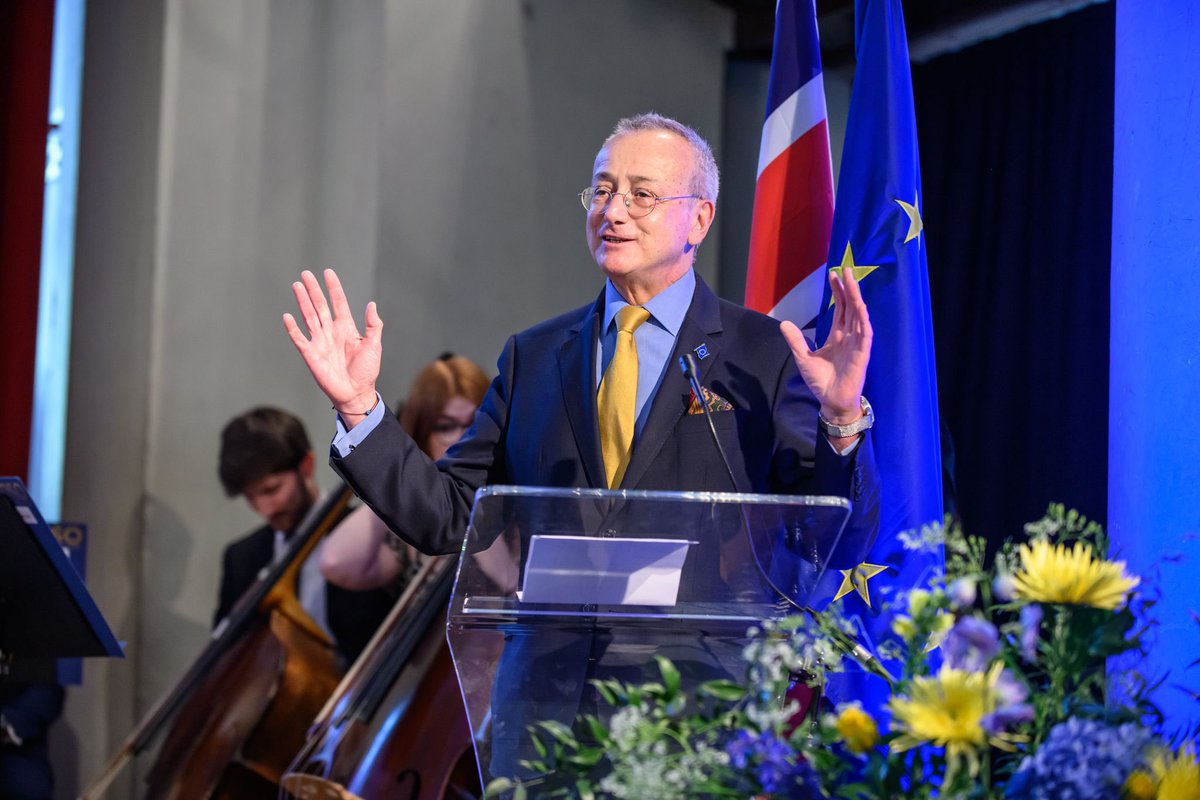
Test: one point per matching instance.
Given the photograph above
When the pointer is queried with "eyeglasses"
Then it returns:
(638, 202)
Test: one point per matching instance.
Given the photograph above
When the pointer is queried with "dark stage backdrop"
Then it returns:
(1016, 158)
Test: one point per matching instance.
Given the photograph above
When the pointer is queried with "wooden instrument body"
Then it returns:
(235, 720)
(243, 724)
(397, 728)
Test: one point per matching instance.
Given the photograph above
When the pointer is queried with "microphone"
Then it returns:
(842, 640)
(687, 363)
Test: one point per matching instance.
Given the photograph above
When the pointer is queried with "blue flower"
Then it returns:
(740, 749)
(775, 763)
(1031, 621)
(777, 770)
(1081, 759)
(971, 644)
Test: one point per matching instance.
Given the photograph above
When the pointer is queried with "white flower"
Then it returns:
(624, 727)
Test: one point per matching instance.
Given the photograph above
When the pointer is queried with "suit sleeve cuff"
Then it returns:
(344, 441)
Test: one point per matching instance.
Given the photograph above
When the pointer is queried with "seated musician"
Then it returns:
(266, 458)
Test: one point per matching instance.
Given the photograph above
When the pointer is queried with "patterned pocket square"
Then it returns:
(714, 402)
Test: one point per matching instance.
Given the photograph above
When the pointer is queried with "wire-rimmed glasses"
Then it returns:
(638, 202)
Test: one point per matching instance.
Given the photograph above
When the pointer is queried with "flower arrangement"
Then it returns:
(1001, 692)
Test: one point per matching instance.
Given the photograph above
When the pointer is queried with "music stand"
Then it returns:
(45, 610)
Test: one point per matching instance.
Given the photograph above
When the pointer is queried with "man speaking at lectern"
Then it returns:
(594, 397)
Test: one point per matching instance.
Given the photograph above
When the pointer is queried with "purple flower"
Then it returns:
(971, 644)
(1009, 690)
(1031, 620)
(1003, 588)
(1002, 719)
(962, 593)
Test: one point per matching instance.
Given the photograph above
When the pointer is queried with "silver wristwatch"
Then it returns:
(858, 426)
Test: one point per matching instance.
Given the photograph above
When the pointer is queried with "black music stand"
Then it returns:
(45, 610)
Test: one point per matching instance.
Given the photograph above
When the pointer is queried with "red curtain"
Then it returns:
(26, 34)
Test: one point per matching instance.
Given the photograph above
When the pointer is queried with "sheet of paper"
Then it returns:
(603, 571)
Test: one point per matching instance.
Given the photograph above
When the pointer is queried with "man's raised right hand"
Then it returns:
(344, 364)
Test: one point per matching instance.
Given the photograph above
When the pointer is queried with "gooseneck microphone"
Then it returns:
(841, 639)
(687, 363)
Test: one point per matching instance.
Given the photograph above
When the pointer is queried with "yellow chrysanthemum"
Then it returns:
(857, 728)
(1140, 786)
(947, 709)
(1055, 574)
(1178, 774)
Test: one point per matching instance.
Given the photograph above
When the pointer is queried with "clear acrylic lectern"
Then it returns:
(557, 587)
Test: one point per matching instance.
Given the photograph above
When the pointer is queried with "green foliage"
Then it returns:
(1011, 670)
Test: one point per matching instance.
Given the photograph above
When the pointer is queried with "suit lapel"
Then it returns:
(577, 372)
(701, 326)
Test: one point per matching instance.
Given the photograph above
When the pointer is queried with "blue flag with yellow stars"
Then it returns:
(877, 230)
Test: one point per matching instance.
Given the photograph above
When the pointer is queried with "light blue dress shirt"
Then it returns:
(655, 338)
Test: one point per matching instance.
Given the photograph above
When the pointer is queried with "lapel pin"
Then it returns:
(701, 351)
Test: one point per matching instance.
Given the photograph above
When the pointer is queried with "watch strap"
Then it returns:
(850, 429)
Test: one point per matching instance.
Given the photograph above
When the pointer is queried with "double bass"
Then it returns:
(396, 727)
(241, 711)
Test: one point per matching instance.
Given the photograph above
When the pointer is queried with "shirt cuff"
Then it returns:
(850, 448)
(344, 441)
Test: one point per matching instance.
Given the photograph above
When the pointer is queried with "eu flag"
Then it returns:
(877, 229)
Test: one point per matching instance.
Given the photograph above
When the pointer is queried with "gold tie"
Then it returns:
(618, 396)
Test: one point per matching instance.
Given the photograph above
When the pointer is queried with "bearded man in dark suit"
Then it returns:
(266, 458)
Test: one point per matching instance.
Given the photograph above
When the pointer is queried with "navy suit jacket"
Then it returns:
(538, 426)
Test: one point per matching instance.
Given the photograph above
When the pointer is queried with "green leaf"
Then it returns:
(670, 675)
(498, 786)
(560, 732)
(724, 690)
(597, 729)
(654, 690)
(1109, 638)
(587, 757)
(540, 767)
(519, 794)
(606, 691)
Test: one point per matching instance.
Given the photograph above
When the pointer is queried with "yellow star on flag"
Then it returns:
(855, 580)
(915, 225)
(859, 270)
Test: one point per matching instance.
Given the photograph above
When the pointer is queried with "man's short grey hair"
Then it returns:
(706, 179)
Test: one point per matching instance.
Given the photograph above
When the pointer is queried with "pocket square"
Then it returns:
(714, 402)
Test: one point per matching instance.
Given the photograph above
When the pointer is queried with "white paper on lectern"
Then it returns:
(604, 571)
